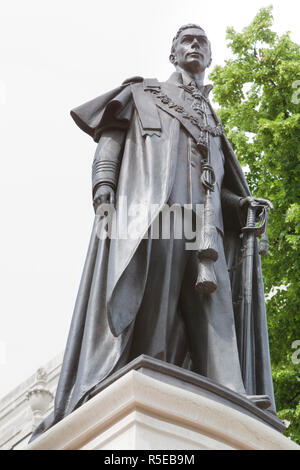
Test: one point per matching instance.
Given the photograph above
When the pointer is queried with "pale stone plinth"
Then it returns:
(152, 407)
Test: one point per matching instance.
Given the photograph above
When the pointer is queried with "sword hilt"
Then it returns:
(261, 230)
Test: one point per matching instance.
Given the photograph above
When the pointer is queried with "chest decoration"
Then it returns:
(191, 116)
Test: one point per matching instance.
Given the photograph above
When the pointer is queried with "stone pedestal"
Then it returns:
(151, 405)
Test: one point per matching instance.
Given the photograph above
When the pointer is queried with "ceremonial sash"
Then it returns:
(166, 97)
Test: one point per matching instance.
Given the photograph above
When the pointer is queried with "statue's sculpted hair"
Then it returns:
(184, 27)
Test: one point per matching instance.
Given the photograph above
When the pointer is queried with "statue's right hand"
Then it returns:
(104, 195)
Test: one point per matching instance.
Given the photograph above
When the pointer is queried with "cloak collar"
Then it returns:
(181, 78)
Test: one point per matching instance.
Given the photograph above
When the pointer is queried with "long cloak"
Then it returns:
(97, 337)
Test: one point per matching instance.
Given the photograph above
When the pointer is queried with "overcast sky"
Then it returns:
(55, 55)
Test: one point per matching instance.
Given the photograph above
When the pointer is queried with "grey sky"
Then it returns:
(55, 55)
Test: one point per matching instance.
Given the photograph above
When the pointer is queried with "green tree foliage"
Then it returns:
(258, 91)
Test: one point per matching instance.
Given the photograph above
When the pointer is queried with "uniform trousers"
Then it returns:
(178, 324)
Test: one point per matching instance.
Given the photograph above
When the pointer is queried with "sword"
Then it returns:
(257, 211)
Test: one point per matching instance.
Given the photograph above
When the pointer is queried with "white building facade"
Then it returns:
(22, 410)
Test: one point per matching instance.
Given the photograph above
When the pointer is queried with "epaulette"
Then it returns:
(130, 80)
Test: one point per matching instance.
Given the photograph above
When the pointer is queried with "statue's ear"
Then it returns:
(172, 59)
(210, 55)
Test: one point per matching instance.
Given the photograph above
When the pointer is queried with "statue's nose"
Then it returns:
(195, 43)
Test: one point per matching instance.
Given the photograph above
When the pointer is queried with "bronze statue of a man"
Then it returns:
(161, 143)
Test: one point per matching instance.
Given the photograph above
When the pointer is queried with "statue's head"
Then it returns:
(191, 49)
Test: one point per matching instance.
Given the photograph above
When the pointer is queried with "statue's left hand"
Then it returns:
(254, 201)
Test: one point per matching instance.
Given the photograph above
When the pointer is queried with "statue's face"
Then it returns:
(192, 52)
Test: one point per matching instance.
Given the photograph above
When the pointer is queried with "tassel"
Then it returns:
(263, 245)
(208, 244)
(207, 252)
(206, 281)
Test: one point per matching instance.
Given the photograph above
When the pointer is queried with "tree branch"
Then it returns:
(292, 399)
